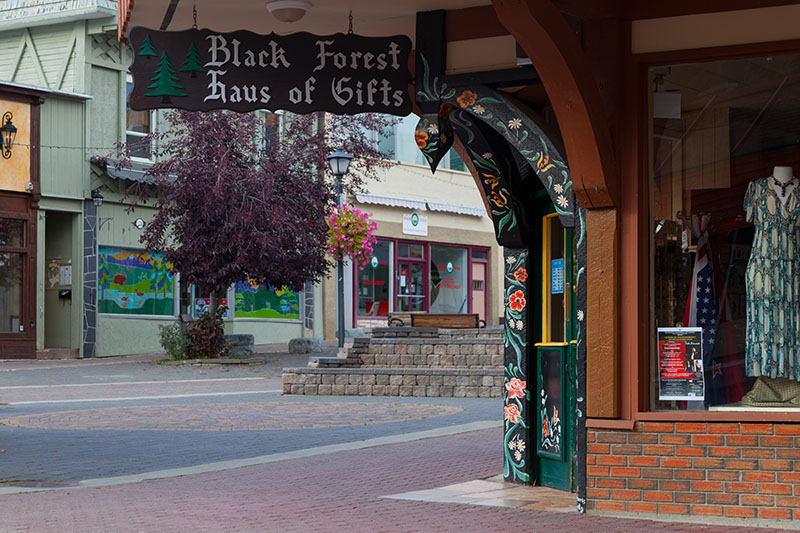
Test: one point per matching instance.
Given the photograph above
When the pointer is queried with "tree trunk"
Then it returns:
(213, 304)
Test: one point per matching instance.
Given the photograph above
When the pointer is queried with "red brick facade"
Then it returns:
(711, 469)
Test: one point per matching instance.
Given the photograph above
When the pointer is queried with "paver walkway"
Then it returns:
(348, 491)
(116, 446)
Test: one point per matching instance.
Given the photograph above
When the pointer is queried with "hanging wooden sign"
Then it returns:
(200, 70)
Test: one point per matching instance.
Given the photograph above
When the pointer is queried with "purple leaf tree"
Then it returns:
(236, 201)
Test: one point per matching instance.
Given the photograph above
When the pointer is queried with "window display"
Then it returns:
(725, 276)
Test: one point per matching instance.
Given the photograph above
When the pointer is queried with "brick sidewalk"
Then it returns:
(341, 492)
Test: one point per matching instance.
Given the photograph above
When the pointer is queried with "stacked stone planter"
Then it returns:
(405, 361)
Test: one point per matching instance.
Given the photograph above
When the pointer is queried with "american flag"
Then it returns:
(702, 310)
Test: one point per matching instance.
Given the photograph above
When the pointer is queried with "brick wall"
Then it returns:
(711, 469)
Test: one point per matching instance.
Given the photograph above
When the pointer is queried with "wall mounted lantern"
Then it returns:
(97, 198)
(9, 133)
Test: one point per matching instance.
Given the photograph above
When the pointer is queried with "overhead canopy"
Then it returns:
(422, 205)
(370, 17)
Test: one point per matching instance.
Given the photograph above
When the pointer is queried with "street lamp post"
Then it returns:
(339, 162)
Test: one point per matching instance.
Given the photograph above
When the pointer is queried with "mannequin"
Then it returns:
(783, 182)
(772, 279)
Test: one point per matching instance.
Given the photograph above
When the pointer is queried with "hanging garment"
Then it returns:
(773, 283)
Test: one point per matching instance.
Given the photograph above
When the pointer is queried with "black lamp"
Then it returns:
(339, 162)
(97, 198)
(9, 132)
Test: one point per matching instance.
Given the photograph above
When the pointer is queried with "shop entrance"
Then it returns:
(555, 351)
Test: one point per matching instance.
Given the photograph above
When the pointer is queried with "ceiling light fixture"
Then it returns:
(288, 10)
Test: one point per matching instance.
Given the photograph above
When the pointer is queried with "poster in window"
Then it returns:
(680, 364)
(133, 282)
(262, 300)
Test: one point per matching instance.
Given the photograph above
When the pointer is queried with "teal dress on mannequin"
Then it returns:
(773, 283)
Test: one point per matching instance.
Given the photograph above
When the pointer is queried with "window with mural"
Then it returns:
(724, 154)
(133, 282)
(262, 300)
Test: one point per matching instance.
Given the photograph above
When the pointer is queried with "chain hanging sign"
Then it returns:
(200, 70)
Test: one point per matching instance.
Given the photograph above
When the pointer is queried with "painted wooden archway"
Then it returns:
(506, 143)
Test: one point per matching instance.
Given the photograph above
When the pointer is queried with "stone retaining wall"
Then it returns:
(460, 383)
(430, 348)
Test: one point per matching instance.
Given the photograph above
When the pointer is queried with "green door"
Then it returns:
(555, 350)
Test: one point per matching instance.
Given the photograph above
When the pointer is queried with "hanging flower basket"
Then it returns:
(351, 233)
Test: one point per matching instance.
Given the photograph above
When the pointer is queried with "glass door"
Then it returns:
(555, 355)
(410, 286)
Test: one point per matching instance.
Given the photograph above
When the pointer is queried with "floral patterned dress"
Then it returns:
(773, 283)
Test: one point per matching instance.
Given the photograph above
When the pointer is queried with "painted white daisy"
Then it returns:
(433, 128)
(478, 109)
(562, 201)
(558, 188)
(520, 325)
(521, 445)
(510, 259)
(517, 456)
(486, 155)
(514, 123)
(511, 445)
(580, 315)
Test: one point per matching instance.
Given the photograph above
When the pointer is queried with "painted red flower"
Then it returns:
(467, 99)
(521, 275)
(515, 388)
(512, 413)
(517, 301)
(422, 139)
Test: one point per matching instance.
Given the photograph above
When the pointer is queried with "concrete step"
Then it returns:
(58, 353)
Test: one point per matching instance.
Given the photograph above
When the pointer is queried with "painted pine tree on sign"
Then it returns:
(147, 47)
(165, 82)
(192, 63)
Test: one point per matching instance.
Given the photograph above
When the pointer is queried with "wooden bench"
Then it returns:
(437, 320)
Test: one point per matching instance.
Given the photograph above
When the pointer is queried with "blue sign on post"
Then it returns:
(557, 276)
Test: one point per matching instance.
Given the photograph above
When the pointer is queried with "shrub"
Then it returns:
(174, 340)
(206, 339)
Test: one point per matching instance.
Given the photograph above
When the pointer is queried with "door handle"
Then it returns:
(567, 299)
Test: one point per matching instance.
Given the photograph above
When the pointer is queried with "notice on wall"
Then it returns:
(200, 70)
(65, 275)
(415, 224)
(557, 276)
(680, 364)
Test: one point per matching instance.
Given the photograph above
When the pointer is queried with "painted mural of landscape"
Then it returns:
(254, 300)
(134, 283)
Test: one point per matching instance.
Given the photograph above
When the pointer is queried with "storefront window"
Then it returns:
(448, 280)
(10, 292)
(725, 205)
(374, 282)
(131, 282)
(414, 251)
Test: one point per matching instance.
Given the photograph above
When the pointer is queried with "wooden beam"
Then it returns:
(602, 305)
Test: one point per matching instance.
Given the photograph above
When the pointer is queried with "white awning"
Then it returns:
(391, 201)
(460, 209)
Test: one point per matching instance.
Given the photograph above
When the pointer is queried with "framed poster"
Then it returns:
(680, 364)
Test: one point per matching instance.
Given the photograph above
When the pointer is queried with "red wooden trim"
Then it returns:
(556, 54)
(124, 8)
(472, 23)
(718, 53)
(675, 8)
(719, 416)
